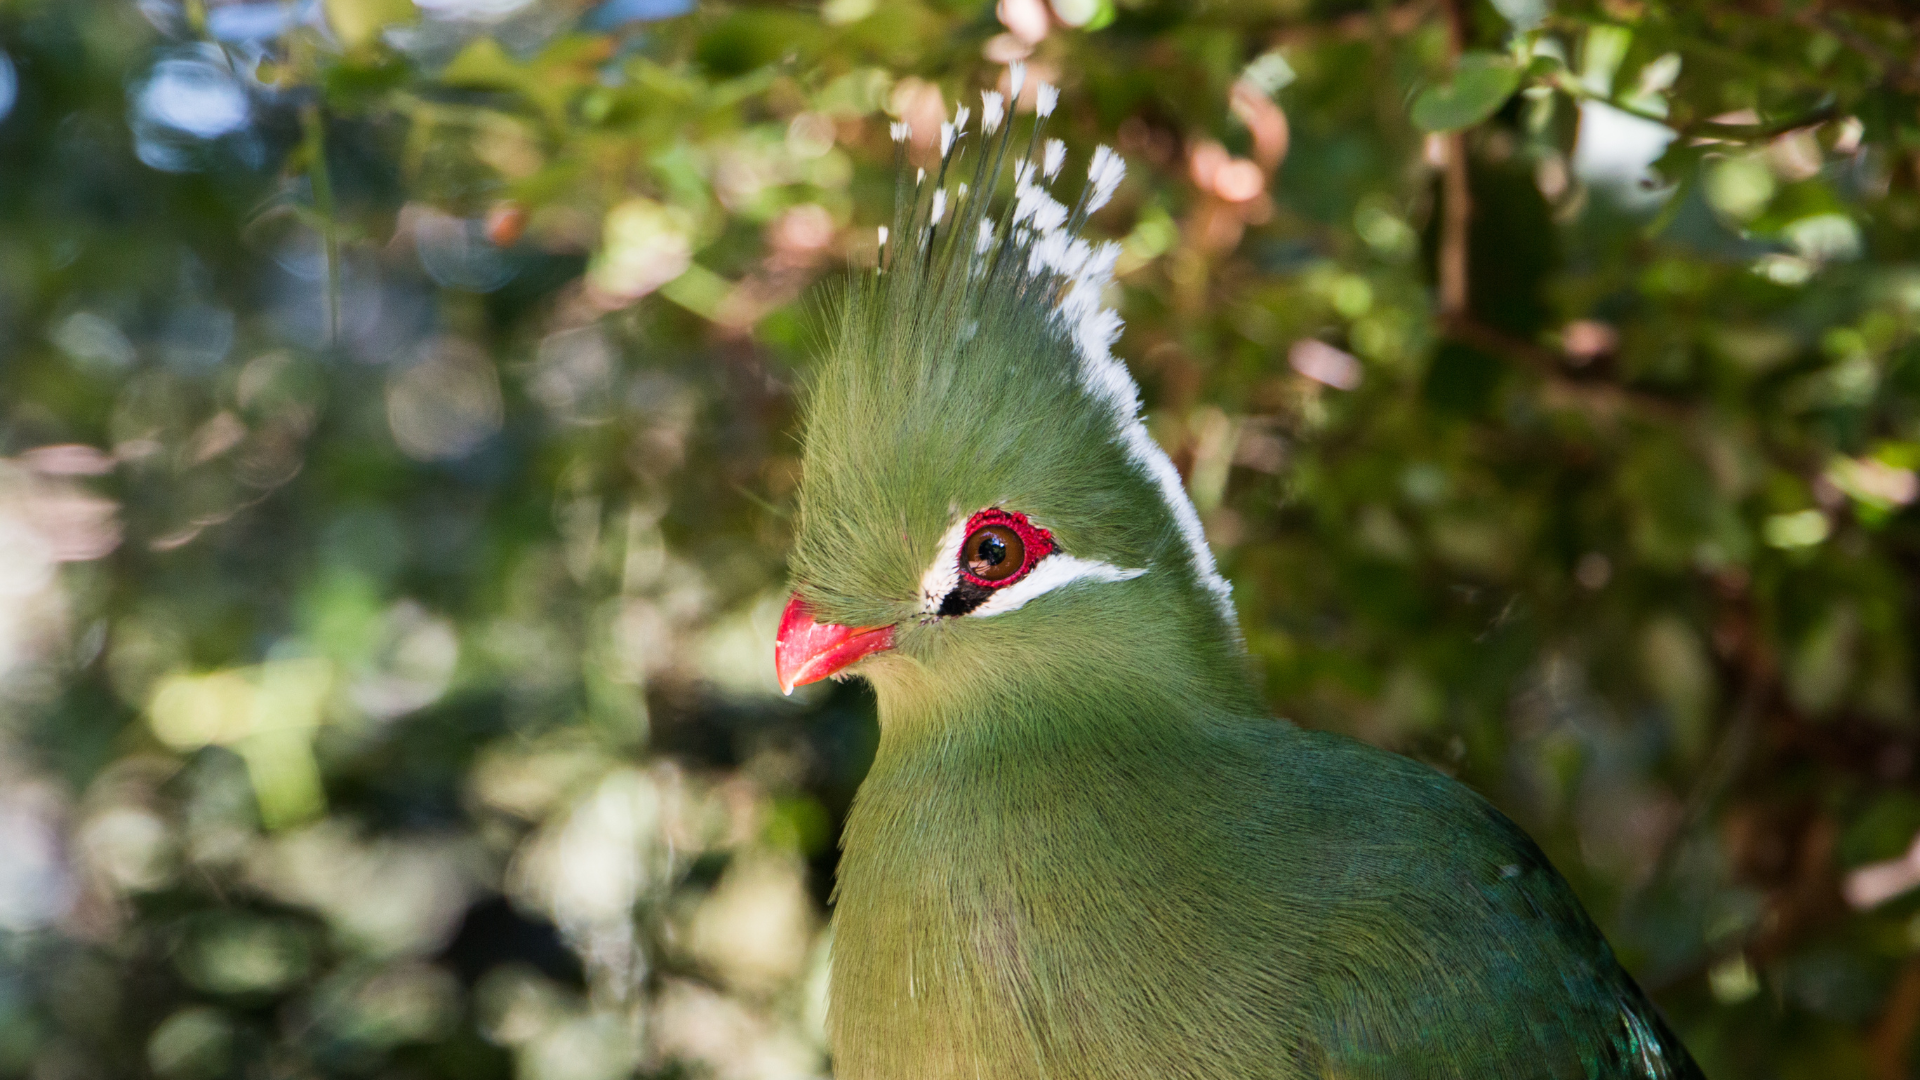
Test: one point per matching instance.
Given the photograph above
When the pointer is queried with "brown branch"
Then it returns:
(1891, 1044)
(1603, 400)
(1397, 22)
(1456, 219)
(1456, 198)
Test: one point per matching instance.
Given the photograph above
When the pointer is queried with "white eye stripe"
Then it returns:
(1053, 572)
(1049, 573)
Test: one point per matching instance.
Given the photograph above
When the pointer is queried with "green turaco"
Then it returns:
(1084, 850)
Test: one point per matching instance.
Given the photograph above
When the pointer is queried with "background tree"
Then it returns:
(397, 397)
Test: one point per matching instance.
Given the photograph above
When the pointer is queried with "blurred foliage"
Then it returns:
(397, 398)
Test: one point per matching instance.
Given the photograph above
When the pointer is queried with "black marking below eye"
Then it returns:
(964, 598)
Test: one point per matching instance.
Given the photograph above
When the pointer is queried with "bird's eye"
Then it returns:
(1000, 548)
(994, 553)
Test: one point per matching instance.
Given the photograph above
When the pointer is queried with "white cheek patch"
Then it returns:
(1052, 572)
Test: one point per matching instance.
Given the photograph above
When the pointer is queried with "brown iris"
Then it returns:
(993, 553)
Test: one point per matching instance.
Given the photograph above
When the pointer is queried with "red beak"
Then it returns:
(807, 651)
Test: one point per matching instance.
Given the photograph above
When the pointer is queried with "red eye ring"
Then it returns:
(1036, 543)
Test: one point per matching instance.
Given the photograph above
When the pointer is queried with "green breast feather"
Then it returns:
(1084, 852)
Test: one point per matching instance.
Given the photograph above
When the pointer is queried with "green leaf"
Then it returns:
(1481, 84)
(483, 64)
(358, 22)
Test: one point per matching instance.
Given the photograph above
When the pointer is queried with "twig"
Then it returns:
(1710, 129)
(1704, 129)
(1903, 76)
(1721, 769)
(316, 147)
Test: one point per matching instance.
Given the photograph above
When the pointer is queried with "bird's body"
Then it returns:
(1217, 896)
(1084, 851)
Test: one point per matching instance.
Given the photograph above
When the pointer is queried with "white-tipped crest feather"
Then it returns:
(1103, 177)
(1056, 156)
(1076, 273)
(992, 110)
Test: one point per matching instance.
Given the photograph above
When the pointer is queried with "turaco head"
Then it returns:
(981, 510)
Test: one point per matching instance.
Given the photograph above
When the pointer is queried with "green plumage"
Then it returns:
(1084, 852)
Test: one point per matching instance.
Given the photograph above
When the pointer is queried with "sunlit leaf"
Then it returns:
(359, 22)
(1482, 82)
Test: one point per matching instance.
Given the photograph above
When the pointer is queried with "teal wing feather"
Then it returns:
(1453, 940)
